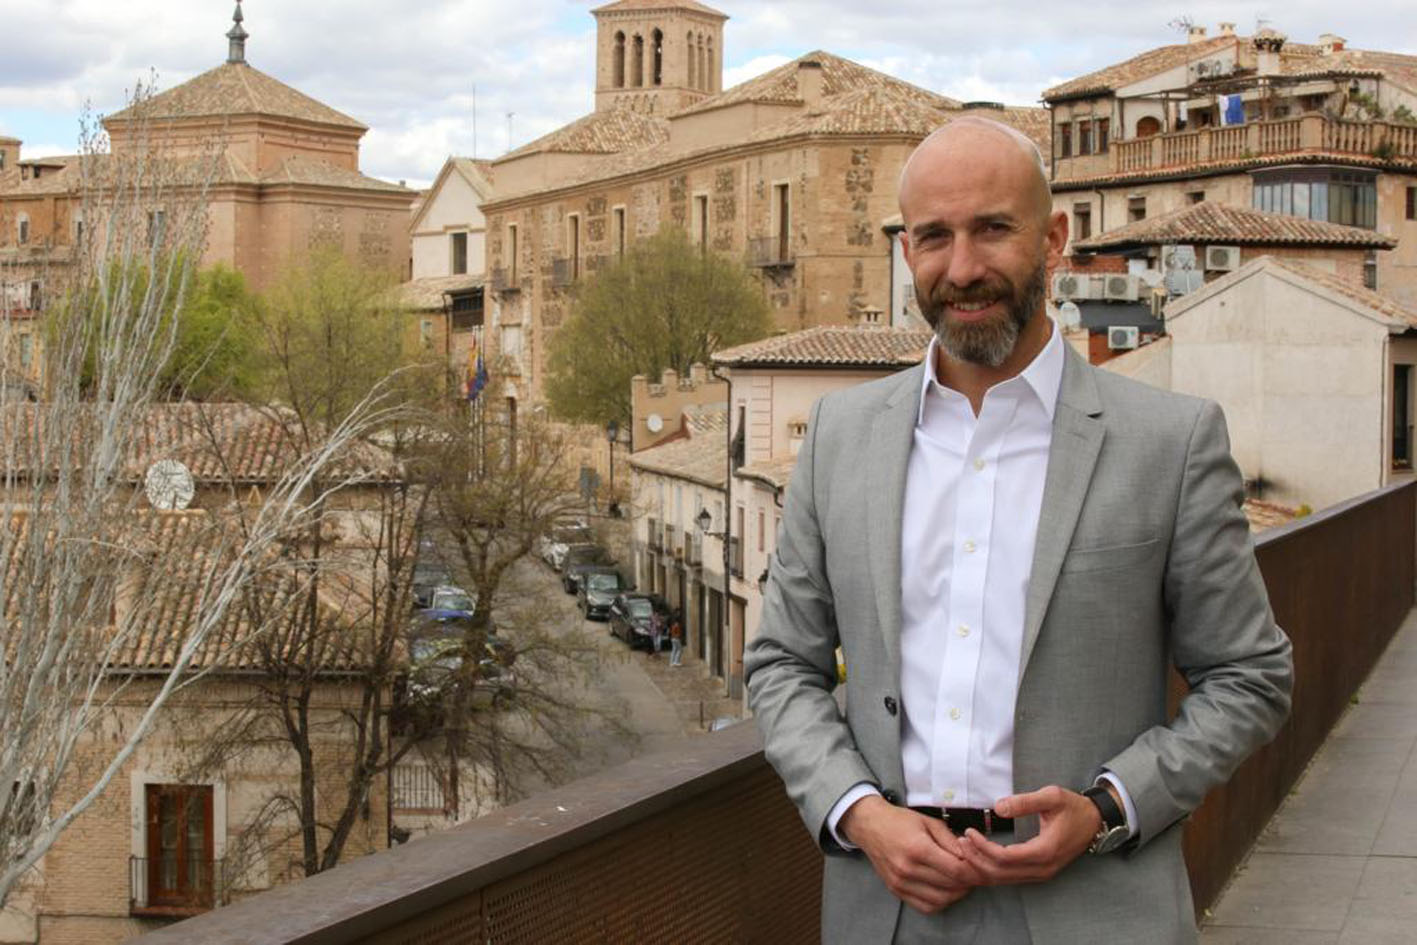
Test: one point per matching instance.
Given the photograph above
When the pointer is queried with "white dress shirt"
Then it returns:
(973, 493)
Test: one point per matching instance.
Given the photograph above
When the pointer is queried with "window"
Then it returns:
(467, 309)
(26, 350)
(1370, 269)
(617, 231)
(781, 207)
(693, 76)
(657, 57)
(1147, 126)
(1103, 126)
(512, 341)
(1402, 416)
(573, 243)
(1065, 140)
(762, 531)
(511, 261)
(1082, 221)
(1085, 136)
(618, 61)
(22, 226)
(637, 63)
(1338, 196)
(36, 296)
(459, 247)
(701, 221)
(1412, 203)
(1136, 209)
(180, 870)
(78, 228)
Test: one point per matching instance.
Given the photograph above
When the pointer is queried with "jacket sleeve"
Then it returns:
(790, 666)
(1224, 641)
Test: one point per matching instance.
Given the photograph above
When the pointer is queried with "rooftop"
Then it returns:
(609, 131)
(832, 346)
(1214, 222)
(427, 294)
(232, 89)
(700, 456)
(1118, 75)
(625, 6)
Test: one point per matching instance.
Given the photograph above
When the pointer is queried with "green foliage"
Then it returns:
(1404, 115)
(214, 356)
(664, 304)
(328, 332)
(1367, 105)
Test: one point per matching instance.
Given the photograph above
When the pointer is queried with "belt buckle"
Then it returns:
(988, 821)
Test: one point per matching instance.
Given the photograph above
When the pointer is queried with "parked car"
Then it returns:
(436, 660)
(553, 545)
(578, 558)
(630, 615)
(599, 585)
(427, 575)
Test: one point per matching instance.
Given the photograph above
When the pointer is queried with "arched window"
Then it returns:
(689, 45)
(711, 68)
(657, 54)
(619, 60)
(22, 228)
(703, 64)
(637, 63)
(1148, 126)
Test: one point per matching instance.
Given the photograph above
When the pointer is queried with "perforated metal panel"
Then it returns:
(731, 867)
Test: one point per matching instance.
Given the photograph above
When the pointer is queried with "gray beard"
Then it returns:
(987, 343)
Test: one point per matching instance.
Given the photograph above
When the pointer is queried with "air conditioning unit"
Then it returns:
(1183, 281)
(1179, 256)
(1222, 258)
(1069, 285)
(1123, 337)
(1119, 288)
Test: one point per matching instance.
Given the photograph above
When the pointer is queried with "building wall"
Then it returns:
(667, 400)
(84, 899)
(1301, 380)
(840, 194)
(456, 207)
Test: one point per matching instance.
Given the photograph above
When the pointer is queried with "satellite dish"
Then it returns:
(655, 422)
(168, 485)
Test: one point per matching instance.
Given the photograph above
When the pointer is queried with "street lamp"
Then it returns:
(703, 520)
(612, 432)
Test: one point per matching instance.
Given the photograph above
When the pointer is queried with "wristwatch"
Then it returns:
(1113, 832)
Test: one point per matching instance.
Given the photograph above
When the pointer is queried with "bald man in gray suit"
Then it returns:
(1011, 548)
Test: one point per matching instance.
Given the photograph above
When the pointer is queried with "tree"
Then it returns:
(214, 348)
(74, 536)
(665, 304)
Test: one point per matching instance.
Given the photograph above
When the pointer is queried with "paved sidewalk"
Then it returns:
(1338, 864)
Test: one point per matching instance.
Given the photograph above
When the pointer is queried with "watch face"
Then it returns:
(1109, 840)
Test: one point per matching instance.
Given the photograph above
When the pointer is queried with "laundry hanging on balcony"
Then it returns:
(1233, 110)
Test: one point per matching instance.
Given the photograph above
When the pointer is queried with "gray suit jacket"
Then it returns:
(1143, 560)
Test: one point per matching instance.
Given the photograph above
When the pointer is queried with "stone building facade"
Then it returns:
(794, 172)
(1319, 131)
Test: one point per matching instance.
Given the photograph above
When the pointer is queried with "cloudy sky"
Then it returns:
(409, 70)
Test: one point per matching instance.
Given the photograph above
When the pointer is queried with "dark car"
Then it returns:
(630, 617)
(446, 603)
(578, 558)
(436, 660)
(428, 575)
(599, 586)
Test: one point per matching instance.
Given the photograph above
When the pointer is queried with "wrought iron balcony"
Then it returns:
(158, 888)
(770, 252)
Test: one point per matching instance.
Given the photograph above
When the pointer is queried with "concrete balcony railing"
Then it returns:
(1261, 138)
(700, 845)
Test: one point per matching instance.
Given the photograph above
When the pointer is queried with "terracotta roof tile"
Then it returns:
(298, 169)
(424, 295)
(609, 131)
(1215, 222)
(833, 346)
(775, 472)
(625, 5)
(701, 456)
(1138, 67)
(1389, 310)
(236, 89)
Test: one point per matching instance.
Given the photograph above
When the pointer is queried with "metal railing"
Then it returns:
(735, 557)
(502, 280)
(189, 888)
(671, 541)
(418, 787)
(769, 251)
(730, 859)
(563, 272)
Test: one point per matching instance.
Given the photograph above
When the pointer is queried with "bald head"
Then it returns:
(974, 137)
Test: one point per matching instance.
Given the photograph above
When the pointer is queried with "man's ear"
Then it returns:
(1056, 238)
(905, 248)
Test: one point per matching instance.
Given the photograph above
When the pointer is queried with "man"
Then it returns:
(1010, 547)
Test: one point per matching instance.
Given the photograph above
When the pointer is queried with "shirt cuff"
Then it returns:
(856, 792)
(1128, 807)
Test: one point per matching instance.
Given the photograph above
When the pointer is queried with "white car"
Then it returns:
(552, 546)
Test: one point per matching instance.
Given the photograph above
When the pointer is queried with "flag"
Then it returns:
(476, 372)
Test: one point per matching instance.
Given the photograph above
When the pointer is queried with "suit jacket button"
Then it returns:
(891, 797)
(890, 705)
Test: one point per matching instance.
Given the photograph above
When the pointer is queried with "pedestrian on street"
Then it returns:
(676, 641)
(656, 632)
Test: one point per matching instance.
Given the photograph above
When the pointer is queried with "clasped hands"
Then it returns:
(929, 868)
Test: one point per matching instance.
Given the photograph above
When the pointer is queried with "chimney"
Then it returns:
(1227, 29)
(1195, 34)
(1268, 43)
(1331, 43)
(809, 83)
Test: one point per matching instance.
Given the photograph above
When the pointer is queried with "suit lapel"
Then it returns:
(1077, 440)
(892, 436)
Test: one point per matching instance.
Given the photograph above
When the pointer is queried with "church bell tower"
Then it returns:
(657, 56)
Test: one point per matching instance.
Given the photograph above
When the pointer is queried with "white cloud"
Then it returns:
(407, 70)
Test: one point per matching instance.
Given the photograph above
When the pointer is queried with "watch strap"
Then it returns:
(1114, 831)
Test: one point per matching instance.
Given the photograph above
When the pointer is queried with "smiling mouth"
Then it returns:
(972, 306)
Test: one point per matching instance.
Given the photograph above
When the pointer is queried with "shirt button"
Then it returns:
(969, 547)
(947, 796)
(979, 464)
(954, 714)
(890, 705)
(963, 630)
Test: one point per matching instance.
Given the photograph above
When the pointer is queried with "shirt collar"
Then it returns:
(1044, 374)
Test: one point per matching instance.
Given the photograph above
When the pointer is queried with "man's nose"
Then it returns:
(966, 264)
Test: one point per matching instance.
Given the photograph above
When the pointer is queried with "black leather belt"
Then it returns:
(960, 819)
